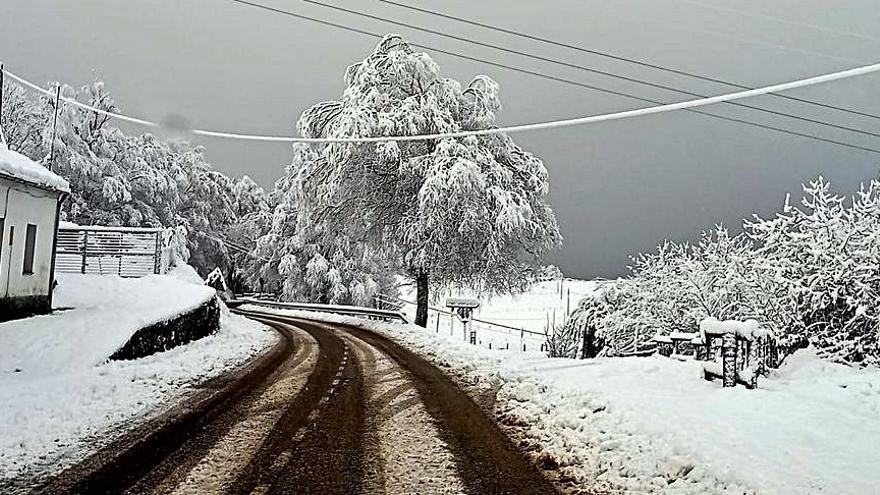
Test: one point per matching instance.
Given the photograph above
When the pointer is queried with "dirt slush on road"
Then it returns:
(330, 409)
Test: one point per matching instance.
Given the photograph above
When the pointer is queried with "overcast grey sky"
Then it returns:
(617, 188)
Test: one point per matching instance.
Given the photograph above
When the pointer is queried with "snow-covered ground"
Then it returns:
(545, 303)
(653, 425)
(95, 315)
(60, 397)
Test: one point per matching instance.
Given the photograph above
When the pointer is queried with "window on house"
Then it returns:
(30, 241)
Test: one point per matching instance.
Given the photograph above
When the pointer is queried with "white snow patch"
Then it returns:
(186, 273)
(49, 422)
(748, 330)
(18, 166)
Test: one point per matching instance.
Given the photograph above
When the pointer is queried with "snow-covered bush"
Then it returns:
(549, 272)
(216, 280)
(811, 274)
(821, 267)
(175, 252)
(562, 340)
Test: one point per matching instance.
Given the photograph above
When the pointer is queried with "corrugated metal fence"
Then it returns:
(122, 251)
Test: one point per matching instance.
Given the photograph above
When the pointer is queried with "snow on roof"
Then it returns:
(17, 166)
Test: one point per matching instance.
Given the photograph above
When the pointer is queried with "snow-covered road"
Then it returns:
(330, 409)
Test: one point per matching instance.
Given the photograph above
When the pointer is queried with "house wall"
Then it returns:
(20, 205)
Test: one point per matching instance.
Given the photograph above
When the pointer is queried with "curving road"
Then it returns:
(329, 409)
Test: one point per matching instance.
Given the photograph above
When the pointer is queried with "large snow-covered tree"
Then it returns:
(451, 212)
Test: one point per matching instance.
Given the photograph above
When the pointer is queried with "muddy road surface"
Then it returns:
(330, 409)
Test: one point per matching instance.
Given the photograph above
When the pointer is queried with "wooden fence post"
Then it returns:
(728, 356)
(85, 250)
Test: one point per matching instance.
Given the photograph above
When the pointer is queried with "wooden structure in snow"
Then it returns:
(747, 351)
(30, 206)
(464, 308)
(679, 345)
(123, 251)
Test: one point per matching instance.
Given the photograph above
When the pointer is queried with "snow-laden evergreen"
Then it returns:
(811, 274)
(467, 212)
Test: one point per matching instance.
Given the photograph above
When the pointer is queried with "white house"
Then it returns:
(30, 204)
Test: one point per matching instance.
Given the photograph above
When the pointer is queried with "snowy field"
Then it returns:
(653, 425)
(545, 303)
(61, 397)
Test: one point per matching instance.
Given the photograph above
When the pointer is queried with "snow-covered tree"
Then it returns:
(463, 212)
(811, 274)
(122, 180)
(250, 209)
(23, 120)
(307, 262)
(824, 263)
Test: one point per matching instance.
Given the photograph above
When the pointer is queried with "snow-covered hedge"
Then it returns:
(811, 274)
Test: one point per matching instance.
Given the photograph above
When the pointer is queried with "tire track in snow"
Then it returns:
(484, 459)
(408, 453)
(317, 447)
(222, 465)
(141, 459)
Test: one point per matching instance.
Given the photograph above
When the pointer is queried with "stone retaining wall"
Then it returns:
(164, 335)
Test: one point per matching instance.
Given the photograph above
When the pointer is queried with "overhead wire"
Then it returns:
(550, 77)
(620, 58)
(782, 20)
(563, 63)
(659, 108)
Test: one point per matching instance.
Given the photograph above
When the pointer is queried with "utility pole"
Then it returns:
(2, 77)
(55, 125)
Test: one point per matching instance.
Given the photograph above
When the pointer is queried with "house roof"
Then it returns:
(21, 168)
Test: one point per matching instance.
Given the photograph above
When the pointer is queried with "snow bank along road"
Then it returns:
(330, 409)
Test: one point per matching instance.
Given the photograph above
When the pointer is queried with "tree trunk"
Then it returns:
(422, 299)
(588, 347)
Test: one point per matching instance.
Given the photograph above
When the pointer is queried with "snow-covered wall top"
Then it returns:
(17, 166)
(100, 314)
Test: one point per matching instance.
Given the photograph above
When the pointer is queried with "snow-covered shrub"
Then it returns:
(562, 340)
(548, 272)
(811, 274)
(821, 267)
(175, 252)
(216, 280)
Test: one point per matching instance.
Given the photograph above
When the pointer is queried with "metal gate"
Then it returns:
(122, 251)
